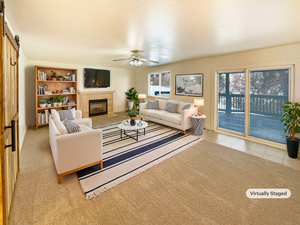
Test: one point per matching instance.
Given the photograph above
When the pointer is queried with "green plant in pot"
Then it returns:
(55, 102)
(60, 78)
(59, 100)
(291, 119)
(132, 97)
(43, 103)
(53, 76)
(133, 116)
(49, 101)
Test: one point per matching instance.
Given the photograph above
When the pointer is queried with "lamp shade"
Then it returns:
(141, 96)
(199, 102)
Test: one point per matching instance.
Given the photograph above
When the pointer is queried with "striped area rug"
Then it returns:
(124, 157)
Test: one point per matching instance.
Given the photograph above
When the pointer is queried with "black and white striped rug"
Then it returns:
(124, 157)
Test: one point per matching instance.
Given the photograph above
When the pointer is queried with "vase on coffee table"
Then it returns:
(132, 121)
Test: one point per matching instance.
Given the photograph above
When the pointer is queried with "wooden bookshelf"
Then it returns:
(53, 86)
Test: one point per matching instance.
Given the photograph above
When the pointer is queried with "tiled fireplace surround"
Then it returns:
(86, 95)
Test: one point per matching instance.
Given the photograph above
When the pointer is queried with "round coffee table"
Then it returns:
(136, 128)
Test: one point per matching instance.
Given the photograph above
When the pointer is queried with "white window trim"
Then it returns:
(158, 96)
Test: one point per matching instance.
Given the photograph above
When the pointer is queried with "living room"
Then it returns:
(198, 173)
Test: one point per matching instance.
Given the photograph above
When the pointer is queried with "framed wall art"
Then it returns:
(189, 84)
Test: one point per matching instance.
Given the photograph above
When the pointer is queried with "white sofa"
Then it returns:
(181, 119)
(75, 151)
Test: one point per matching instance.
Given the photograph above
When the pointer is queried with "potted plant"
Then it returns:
(67, 76)
(49, 101)
(53, 76)
(132, 97)
(55, 102)
(132, 115)
(291, 119)
(43, 103)
(60, 78)
(59, 100)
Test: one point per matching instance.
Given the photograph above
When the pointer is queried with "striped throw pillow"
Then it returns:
(71, 127)
(66, 114)
(188, 106)
(152, 104)
(171, 107)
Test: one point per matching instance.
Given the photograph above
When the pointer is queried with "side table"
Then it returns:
(198, 124)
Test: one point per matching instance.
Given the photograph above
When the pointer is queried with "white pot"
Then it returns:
(54, 103)
(48, 105)
(43, 105)
(130, 105)
(59, 103)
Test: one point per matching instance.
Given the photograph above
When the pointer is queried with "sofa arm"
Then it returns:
(186, 121)
(142, 107)
(78, 150)
(78, 114)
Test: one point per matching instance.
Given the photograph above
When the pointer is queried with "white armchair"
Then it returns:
(76, 151)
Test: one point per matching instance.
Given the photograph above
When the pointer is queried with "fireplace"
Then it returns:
(97, 107)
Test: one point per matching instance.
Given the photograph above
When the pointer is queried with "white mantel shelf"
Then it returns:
(96, 90)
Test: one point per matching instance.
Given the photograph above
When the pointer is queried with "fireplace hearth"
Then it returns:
(97, 107)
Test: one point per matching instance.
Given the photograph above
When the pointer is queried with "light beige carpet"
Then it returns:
(204, 184)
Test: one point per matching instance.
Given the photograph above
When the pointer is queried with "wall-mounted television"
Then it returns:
(96, 78)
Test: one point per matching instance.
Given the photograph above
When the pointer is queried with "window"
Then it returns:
(159, 84)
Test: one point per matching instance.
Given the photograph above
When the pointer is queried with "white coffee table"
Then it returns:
(136, 128)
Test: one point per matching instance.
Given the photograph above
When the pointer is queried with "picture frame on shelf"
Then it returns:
(189, 84)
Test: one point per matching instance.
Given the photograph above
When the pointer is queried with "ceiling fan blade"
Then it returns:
(121, 59)
(147, 60)
(125, 62)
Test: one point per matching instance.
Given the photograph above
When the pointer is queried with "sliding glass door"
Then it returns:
(231, 106)
(269, 90)
(257, 97)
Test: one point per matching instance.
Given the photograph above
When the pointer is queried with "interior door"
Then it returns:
(9, 121)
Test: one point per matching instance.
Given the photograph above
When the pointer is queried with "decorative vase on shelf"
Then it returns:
(49, 105)
(43, 105)
(54, 104)
(59, 103)
(130, 105)
(132, 121)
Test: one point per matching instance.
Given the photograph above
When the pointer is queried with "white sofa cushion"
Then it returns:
(157, 113)
(85, 128)
(172, 118)
(146, 112)
(83, 121)
(162, 104)
(60, 126)
(55, 114)
(181, 105)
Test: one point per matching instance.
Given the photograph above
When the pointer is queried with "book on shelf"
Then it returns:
(41, 75)
(40, 90)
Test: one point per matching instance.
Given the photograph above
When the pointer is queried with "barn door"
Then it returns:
(9, 110)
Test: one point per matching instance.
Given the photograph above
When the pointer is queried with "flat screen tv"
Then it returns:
(95, 78)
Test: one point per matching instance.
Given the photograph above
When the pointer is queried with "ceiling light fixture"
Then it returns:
(136, 63)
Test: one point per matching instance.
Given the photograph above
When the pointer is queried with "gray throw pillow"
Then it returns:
(188, 106)
(65, 114)
(71, 127)
(152, 104)
(171, 107)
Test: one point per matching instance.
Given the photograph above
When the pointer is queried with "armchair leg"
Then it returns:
(59, 178)
(101, 164)
(184, 132)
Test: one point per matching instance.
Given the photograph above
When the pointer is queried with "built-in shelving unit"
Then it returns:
(54, 86)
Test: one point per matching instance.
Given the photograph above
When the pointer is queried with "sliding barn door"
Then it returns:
(9, 110)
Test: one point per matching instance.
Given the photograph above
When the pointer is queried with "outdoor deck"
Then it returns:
(265, 127)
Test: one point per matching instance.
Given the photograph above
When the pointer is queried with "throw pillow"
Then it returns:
(171, 107)
(152, 104)
(72, 127)
(188, 106)
(60, 126)
(66, 114)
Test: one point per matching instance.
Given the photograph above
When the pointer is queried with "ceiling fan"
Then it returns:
(135, 59)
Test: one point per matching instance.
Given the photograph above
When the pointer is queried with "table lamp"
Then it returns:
(199, 102)
(142, 97)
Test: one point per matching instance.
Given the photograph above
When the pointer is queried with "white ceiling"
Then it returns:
(95, 32)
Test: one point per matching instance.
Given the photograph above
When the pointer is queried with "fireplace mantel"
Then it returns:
(93, 94)
(96, 90)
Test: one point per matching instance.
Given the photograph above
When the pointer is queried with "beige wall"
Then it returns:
(121, 80)
(277, 56)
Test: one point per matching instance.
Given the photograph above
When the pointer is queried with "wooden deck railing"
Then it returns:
(260, 104)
